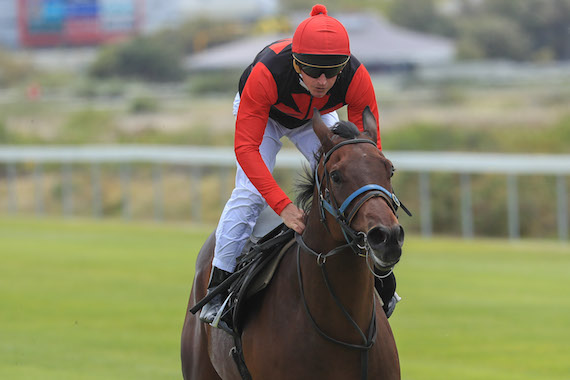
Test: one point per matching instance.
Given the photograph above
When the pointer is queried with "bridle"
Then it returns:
(357, 241)
(327, 201)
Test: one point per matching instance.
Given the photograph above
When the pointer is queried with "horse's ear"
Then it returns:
(369, 123)
(322, 131)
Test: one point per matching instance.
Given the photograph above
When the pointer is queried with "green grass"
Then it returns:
(88, 300)
(484, 309)
(105, 300)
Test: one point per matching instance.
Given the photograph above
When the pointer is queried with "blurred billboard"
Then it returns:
(8, 29)
(44, 23)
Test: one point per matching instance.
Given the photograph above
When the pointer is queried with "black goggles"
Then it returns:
(315, 71)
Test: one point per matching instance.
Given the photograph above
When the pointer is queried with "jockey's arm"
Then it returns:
(257, 97)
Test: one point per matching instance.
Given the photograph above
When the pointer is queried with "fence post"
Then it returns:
(195, 195)
(562, 203)
(157, 185)
(66, 191)
(38, 188)
(96, 189)
(11, 183)
(466, 206)
(125, 185)
(513, 206)
(425, 204)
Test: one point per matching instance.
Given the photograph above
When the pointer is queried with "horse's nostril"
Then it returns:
(384, 235)
(400, 235)
(377, 236)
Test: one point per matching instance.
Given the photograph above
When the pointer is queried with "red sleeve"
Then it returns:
(257, 97)
(359, 95)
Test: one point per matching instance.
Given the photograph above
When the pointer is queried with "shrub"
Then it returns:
(225, 82)
(13, 71)
(144, 58)
(144, 104)
(87, 126)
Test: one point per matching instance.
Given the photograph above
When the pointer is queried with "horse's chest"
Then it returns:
(297, 353)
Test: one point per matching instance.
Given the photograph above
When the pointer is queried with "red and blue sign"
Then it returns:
(76, 22)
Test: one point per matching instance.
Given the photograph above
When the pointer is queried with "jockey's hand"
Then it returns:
(294, 218)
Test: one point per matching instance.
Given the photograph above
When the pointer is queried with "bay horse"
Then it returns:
(320, 316)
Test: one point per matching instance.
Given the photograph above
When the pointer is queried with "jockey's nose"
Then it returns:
(322, 79)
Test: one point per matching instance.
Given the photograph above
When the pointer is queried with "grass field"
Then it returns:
(106, 300)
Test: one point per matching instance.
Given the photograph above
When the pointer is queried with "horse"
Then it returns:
(320, 316)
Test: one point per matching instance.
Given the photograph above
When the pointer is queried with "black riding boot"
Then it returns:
(211, 309)
(386, 288)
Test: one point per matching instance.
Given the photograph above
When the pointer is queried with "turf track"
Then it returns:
(105, 300)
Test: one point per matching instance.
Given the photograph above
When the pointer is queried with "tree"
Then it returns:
(145, 58)
(511, 29)
(493, 37)
(546, 22)
(421, 15)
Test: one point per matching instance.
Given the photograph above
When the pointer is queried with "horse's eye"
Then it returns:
(392, 170)
(335, 177)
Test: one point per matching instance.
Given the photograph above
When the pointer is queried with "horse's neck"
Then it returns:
(348, 276)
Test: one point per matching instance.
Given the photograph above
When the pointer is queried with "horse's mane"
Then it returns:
(306, 183)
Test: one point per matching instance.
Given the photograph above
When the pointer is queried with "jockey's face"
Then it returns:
(318, 87)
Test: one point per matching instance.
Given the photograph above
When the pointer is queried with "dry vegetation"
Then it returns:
(416, 114)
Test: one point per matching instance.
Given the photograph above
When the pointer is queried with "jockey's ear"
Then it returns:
(369, 124)
(322, 131)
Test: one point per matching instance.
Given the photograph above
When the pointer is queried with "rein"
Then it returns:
(368, 340)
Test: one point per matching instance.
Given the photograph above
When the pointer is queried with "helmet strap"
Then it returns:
(298, 70)
(296, 66)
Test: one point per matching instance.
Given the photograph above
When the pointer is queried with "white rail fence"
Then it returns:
(196, 158)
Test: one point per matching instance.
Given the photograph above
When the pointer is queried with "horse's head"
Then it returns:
(356, 200)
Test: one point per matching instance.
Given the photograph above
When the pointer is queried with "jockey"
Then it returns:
(276, 98)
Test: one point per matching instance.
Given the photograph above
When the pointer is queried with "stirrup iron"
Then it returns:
(218, 317)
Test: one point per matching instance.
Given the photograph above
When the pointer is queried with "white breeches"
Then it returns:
(245, 203)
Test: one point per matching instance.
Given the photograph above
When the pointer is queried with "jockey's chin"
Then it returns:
(318, 87)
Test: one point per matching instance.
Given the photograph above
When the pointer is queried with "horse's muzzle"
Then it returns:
(386, 245)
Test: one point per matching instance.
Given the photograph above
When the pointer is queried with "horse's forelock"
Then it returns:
(344, 129)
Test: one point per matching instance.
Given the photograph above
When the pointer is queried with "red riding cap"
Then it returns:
(321, 34)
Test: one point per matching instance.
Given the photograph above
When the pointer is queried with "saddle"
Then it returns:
(255, 268)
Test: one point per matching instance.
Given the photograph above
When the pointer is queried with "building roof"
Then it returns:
(374, 41)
